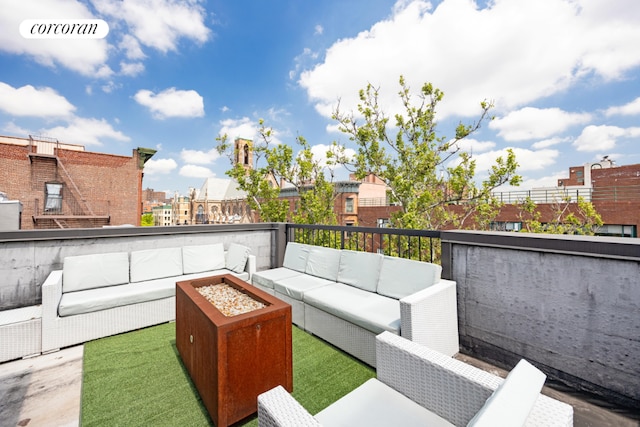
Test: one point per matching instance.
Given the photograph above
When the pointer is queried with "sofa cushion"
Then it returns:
(202, 258)
(114, 296)
(323, 262)
(266, 278)
(511, 403)
(295, 287)
(360, 269)
(237, 256)
(152, 264)
(371, 311)
(375, 403)
(400, 277)
(295, 256)
(94, 271)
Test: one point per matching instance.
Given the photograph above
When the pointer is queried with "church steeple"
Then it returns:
(244, 152)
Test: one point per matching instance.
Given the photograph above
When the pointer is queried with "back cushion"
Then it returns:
(94, 271)
(155, 263)
(360, 269)
(295, 256)
(323, 262)
(400, 277)
(196, 259)
(512, 402)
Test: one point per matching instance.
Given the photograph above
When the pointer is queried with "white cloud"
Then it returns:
(85, 56)
(193, 171)
(594, 138)
(159, 24)
(239, 128)
(528, 160)
(34, 102)
(318, 30)
(131, 47)
(14, 129)
(172, 103)
(319, 152)
(471, 145)
(630, 109)
(546, 143)
(199, 157)
(85, 132)
(499, 52)
(159, 166)
(131, 68)
(533, 123)
(603, 138)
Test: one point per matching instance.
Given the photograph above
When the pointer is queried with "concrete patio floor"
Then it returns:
(45, 391)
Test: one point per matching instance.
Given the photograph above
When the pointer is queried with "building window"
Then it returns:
(505, 226)
(382, 222)
(349, 205)
(53, 197)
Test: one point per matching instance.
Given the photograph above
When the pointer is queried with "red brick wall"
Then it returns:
(110, 184)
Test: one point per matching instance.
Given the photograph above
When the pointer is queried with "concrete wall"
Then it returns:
(570, 304)
(27, 257)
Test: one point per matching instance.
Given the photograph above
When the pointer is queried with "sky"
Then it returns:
(172, 75)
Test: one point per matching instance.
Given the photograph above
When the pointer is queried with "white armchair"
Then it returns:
(419, 386)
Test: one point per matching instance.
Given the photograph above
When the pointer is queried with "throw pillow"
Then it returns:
(237, 257)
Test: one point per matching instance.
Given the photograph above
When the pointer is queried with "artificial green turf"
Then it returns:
(137, 379)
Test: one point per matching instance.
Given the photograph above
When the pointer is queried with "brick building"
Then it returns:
(613, 190)
(151, 199)
(63, 186)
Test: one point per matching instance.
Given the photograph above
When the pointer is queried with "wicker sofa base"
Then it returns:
(20, 332)
(351, 338)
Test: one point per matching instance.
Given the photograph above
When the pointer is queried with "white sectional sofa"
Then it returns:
(348, 297)
(105, 294)
(418, 386)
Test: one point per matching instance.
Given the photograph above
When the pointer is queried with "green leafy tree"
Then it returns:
(567, 217)
(147, 220)
(275, 164)
(411, 159)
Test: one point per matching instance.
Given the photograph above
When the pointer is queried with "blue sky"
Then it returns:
(172, 75)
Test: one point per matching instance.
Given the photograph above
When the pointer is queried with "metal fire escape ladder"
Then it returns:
(74, 186)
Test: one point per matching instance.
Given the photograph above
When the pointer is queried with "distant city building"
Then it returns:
(63, 186)
(162, 215)
(151, 199)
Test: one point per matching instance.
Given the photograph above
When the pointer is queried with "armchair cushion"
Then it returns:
(511, 403)
(376, 404)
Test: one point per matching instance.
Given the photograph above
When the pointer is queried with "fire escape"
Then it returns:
(73, 209)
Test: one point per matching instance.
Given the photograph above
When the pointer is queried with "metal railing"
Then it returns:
(422, 245)
(69, 207)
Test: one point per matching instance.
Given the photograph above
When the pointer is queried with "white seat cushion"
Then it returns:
(237, 256)
(267, 278)
(114, 296)
(369, 310)
(376, 404)
(295, 287)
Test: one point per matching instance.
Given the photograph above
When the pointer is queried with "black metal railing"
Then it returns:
(422, 245)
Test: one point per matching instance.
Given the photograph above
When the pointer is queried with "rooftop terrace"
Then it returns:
(568, 304)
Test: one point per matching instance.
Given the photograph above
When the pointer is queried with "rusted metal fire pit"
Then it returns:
(233, 358)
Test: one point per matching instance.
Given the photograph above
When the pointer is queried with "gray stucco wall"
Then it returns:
(27, 257)
(559, 304)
